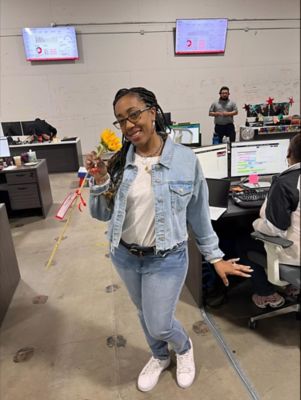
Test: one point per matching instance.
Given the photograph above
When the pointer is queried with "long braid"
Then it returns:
(117, 162)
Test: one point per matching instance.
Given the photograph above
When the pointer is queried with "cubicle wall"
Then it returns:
(9, 270)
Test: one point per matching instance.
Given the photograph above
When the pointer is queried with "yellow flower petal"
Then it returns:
(109, 140)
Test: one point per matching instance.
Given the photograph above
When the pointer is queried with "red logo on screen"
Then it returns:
(39, 50)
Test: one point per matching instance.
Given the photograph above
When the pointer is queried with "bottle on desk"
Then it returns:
(32, 157)
(226, 140)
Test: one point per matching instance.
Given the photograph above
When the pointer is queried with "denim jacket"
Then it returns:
(180, 198)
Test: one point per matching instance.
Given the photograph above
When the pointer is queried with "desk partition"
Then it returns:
(232, 222)
(61, 157)
(9, 270)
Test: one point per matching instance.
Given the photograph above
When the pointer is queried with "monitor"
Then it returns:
(167, 117)
(28, 127)
(4, 149)
(201, 36)
(50, 43)
(187, 134)
(12, 128)
(213, 160)
(262, 157)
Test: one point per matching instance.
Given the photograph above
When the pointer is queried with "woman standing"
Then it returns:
(150, 190)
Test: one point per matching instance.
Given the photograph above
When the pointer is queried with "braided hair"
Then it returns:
(117, 162)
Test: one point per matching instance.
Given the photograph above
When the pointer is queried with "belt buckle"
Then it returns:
(136, 252)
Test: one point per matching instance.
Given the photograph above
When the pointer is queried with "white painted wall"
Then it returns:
(76, 97)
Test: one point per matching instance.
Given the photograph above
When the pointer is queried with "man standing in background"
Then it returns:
(223, 111)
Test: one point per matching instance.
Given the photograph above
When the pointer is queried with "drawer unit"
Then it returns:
(26, 188)
(21, 177)
(24, 196)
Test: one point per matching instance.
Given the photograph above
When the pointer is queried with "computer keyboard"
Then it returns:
(69, 139)
(250, 197)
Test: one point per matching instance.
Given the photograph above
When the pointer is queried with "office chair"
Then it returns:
(278, 274)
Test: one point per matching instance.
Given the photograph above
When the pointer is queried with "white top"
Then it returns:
(139, 223)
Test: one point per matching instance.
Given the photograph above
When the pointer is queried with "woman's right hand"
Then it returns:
(96, 167)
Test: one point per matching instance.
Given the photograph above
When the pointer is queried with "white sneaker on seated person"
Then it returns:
(273, 300)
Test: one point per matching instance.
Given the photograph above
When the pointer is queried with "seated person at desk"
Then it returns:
(42, 131)
(280, 216)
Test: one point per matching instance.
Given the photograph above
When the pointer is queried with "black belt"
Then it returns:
(141, 251)
(137, 250)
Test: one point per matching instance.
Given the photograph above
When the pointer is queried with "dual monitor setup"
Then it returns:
(18, 128)
(260, 157)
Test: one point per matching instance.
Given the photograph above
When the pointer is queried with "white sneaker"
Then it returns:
(185, 368)
(149, 376)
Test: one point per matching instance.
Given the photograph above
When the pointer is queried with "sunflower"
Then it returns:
(109, 141)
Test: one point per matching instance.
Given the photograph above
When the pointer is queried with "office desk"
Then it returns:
(61, 157)
(270, 132)
(234, 219)
(25, 188)
(9, 270)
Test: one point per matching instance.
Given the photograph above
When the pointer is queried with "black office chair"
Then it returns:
(278, 274)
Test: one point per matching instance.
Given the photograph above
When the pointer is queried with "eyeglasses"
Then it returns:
(133, 117)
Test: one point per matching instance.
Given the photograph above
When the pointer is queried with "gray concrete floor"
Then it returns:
(69, 333)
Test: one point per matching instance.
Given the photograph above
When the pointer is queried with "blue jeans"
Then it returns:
(225, 130)
(154, 283)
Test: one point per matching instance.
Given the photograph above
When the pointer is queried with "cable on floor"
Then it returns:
(233, 361)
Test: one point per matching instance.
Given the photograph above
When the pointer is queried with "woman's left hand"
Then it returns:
(229, 267)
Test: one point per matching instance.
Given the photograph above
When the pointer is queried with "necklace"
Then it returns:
(153, 154)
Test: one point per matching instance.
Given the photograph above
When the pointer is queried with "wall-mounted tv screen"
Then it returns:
(50, 44)
(201, 36)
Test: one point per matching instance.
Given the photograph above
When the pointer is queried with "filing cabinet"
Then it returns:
(28, 187)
